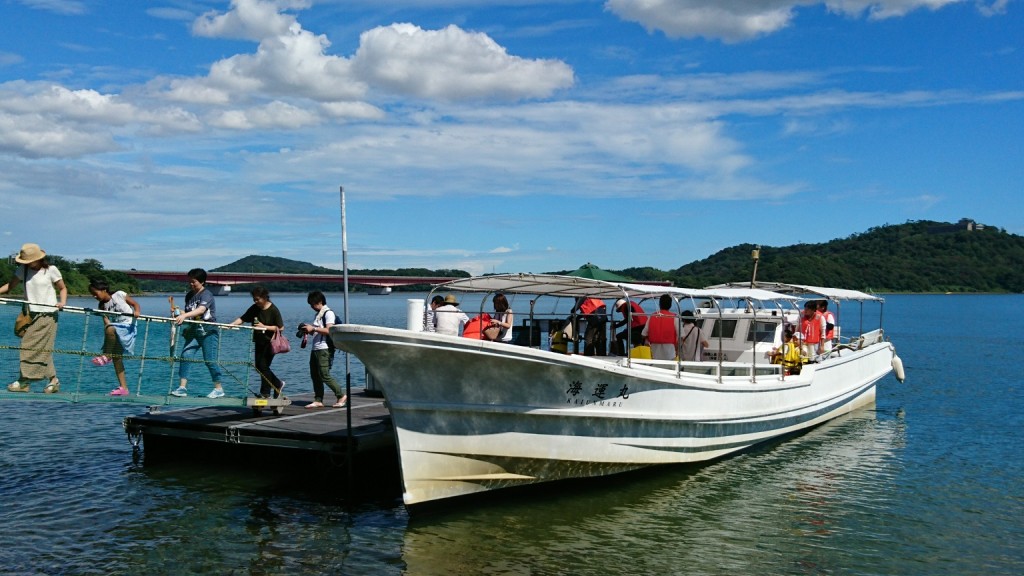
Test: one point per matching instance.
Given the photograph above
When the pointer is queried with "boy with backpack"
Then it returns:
(321, 357)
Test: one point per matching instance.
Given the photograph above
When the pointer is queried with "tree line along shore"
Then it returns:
(916, 257)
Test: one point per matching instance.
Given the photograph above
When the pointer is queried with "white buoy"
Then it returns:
(897, 367)
(414, 314)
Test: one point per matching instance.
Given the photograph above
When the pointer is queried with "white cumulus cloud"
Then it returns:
(275, 115)
(453, 64)
(291, 64)
(249, 20)
(740, 20)
(289, 61)
(39, 119)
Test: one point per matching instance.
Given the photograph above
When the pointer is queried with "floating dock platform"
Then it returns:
(318, 435)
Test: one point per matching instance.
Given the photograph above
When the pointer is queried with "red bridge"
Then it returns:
(216, 280)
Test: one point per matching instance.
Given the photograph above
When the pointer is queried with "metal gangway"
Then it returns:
(151, 370)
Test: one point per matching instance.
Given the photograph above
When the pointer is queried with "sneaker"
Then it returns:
(181, 392)
(315, 405)
(101, 360)
(119, 392)
(216, 393)
(17, 386)
(279, 391)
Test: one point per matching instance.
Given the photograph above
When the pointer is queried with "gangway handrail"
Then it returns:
(139, 395)
(150, 317)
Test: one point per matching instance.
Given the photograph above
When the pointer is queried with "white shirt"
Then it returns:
(117, 303)
(39, 287)
(325, 318)
(449, 319)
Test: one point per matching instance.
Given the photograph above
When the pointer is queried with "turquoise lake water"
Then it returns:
(929, 481)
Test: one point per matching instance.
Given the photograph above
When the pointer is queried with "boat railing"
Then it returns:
(151, 368)
(713, 370)
(876, 336)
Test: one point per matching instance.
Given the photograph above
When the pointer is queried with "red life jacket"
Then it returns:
(475, 327)
(637, 317)
(830, 319)
(591, 305)
(662, 328)
(811, 328)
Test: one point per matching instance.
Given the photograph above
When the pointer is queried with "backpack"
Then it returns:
(330, 342)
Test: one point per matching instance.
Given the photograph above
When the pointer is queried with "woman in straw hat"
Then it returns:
(42, 284)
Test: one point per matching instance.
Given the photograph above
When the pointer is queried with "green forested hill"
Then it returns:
(286, 266)
(76, 275)
(920, 256)
(274, 264)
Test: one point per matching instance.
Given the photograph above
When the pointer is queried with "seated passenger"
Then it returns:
(448, 319)
(788, 354)
(500, 328)
(430, 317)
(560, 334)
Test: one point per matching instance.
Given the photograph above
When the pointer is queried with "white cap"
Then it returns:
(619, 303)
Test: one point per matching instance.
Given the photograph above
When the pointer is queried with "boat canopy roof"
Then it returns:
(574, 286)
(804, 291)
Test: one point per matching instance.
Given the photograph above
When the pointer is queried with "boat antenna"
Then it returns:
(756, 255)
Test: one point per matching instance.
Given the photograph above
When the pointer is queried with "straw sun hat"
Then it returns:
(29, 254)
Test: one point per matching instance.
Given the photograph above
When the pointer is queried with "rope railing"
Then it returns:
(151, 368)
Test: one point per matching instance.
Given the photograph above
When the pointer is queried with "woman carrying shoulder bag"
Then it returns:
(267, 323)
(43, 283)
(500, 329)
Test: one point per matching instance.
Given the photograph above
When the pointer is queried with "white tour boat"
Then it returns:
(473, 415)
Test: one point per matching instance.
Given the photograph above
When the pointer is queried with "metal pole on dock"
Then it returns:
(348, 371)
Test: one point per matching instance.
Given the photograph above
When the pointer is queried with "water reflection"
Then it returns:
(784, 508)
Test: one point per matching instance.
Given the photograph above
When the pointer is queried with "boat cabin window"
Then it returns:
(724, 329)
(762, 331)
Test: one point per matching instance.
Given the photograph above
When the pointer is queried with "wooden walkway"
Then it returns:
(298, 431)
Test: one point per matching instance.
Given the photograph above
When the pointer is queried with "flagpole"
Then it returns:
(348, 371)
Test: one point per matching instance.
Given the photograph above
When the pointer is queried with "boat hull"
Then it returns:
(472, 416)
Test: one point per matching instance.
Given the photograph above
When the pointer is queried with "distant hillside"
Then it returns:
(920, 256)
(273, 264)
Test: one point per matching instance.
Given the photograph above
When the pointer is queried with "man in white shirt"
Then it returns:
(449, 319)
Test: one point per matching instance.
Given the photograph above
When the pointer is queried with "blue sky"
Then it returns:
(507, 136)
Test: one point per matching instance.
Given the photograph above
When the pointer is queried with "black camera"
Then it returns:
(301, 331)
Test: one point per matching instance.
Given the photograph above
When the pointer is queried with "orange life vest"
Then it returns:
(811, 328)
(662, 328)
(591, 305)
(475, 327)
